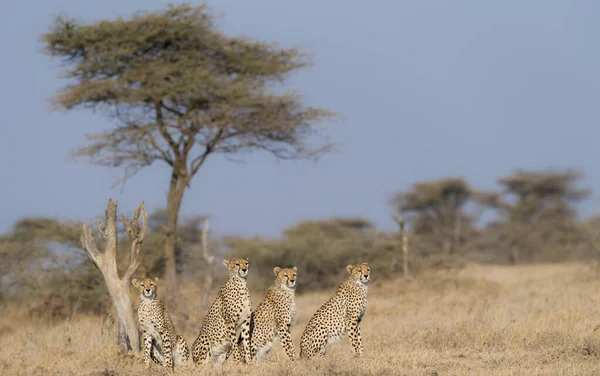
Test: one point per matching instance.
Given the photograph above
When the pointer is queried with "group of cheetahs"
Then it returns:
(232, 328)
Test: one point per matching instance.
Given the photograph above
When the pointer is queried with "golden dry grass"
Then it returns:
(483, 320)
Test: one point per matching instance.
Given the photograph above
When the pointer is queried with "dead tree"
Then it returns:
(208, 279)
(106, 262)
(401, 223)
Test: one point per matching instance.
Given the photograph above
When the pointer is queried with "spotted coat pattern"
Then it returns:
(161, 343)
(339, 316)
(272, 319)
(227, 320)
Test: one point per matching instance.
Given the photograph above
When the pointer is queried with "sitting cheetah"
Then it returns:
(340, 315)
(273, 317)
(158, 329)
(227, 319)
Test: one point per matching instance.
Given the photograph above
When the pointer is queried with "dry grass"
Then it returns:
(528, 320)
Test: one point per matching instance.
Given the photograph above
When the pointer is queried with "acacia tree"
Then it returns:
(436, 208)
(179, 91)
(537, 204)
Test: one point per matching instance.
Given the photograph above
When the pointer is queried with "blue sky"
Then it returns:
(426, 88)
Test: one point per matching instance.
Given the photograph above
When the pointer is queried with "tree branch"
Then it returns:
(172, 110)
(136, 235)
(198, 161)
(166, 157)
(110, 231)
(163, 129)
(209, 259)
(88, 243)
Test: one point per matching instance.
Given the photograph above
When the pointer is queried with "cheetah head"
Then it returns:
(360, 272)
(146, 287)
(285, 277)
(238, 267)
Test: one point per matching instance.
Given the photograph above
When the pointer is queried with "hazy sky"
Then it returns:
(426, 88)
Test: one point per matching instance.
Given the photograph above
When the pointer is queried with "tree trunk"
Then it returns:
(405, 253)
(128, 333)
(175, 196)
(456, 232)
(516, 257)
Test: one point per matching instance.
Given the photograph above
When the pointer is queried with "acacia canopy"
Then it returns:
(174, 82)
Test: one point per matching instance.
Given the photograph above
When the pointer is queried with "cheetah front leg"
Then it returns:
(240, 342)
(286, 341)
(147, 349)
(354, 334)
(245, 340)
(201, 352)
(168, 350)
(181, 352)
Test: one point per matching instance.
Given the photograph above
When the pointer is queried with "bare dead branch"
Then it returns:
(399, 220)
(136, 235)
(209, 258)
(88, 243)
(101, 229)
(110, 230)
(208, 279)
(401, 223)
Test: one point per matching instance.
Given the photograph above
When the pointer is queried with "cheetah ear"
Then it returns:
(134, 282)
(226, 263)
(155, 279)
(295, 269)
(349, 268)
(276, 270)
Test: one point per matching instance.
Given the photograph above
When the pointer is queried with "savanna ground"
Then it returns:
(480, 320)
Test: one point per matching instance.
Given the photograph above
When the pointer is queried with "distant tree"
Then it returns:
(40, 273)
(537, 204)
(334, 227)
(179, 91)
(436, 208)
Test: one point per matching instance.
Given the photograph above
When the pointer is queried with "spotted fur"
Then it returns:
(227, 320)
(273, 317)
(339, 316)
(161, 343)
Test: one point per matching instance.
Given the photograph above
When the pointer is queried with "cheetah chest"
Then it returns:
(246, 311)
(148, 315)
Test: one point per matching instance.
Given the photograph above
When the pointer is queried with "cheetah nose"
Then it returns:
(366, 276)
(244, 270)
(292, 280)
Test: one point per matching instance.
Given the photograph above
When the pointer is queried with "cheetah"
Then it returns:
(161, 343)
(339, 316)
(227, 319)
(273, 317)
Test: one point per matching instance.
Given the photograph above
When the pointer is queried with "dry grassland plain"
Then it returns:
(480, 320)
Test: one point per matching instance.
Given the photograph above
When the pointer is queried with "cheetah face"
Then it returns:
(360, 272)
(286, 277)
(146, 287)
(237, 267)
